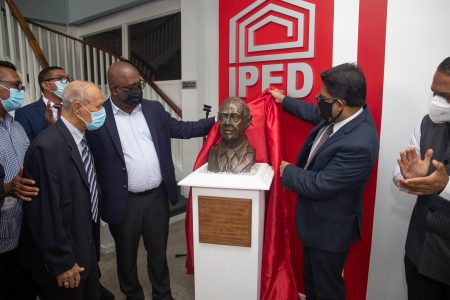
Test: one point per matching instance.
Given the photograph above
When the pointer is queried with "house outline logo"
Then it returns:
(285, 22)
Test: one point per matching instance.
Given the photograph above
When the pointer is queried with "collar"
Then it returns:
(117, 111)
(46, 101)
(341, 124)
(77, 134)
(6, 118)
(239, 151)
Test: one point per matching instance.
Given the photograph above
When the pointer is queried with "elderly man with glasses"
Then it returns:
(44, 112)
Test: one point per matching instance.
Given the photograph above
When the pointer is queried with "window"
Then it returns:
(155, 47)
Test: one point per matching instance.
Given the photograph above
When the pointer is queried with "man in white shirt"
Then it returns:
(427, 258)
(133, 158)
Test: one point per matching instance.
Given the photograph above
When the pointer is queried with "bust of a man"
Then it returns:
(233, 154)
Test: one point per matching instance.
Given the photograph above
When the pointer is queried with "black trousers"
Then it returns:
(15, 281)
(322, 272)
(422, 287)
(146, 215)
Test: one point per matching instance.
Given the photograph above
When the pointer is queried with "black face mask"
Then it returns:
(326, 111)
(134, 97)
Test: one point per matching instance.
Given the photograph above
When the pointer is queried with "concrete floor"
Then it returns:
(181, 283)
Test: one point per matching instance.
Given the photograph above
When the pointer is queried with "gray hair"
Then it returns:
(78, 90)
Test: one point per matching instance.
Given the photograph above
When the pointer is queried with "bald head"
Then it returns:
(125, 85)
(120, 71)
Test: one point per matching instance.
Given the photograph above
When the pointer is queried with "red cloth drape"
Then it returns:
(277, 276)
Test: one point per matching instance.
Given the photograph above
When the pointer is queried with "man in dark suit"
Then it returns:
(132, 153)
(44, 112)
(423, 170)
(329, 176)
(60, 234)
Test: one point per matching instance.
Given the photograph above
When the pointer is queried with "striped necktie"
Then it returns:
(92, 177)
(327, 133)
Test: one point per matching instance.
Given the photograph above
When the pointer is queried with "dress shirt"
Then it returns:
(414, 141)
(54, 109)
(76, 134)
(336, 127)
(230, 159)
(13, 146)
(141, 160)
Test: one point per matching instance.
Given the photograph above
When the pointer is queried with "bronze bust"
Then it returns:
(233, 154)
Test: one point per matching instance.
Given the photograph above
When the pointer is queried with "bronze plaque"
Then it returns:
(225, 221)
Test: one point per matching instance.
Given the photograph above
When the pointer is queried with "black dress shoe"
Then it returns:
(105, 294)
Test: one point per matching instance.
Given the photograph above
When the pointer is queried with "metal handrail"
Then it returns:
(30, 36)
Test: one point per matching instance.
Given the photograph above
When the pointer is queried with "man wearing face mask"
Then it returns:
(60, 236)
(423, 170)
(330, 174)
(132, 154)
(44, 112)
(13, 145)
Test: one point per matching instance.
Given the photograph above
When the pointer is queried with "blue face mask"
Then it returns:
(15, 99)
(60, 86)
(97, 117)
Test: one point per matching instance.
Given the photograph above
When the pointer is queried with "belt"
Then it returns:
(147, 192)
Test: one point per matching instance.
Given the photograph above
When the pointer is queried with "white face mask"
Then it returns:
(439, 109)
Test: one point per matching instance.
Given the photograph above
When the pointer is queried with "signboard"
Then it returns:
(225, 221)
(274, 43)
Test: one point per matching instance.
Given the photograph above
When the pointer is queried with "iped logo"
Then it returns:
(264, 37)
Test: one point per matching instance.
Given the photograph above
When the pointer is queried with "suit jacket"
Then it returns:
(57, 228)
(32, 118)
(329, 205)
(110, 163)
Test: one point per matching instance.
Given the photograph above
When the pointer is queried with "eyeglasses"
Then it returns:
(63, 79)
(223, 118)
(320, 98)
(140, 85)
(16, 85)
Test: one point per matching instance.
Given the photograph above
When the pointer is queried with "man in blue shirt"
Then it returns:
(13, 145)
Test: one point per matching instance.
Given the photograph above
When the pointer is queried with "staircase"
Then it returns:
(31, 47)
(153, 48)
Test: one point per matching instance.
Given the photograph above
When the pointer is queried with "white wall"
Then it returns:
(131, 16)
(200, 62)
(417, 41)
(50, 11)
(81, 10)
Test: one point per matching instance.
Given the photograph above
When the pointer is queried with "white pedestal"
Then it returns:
(225, 272)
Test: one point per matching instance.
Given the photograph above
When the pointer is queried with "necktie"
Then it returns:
(58, 108)
(328, 131)
(92, 177)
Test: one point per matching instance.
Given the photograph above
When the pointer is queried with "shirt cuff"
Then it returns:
(446, 192)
